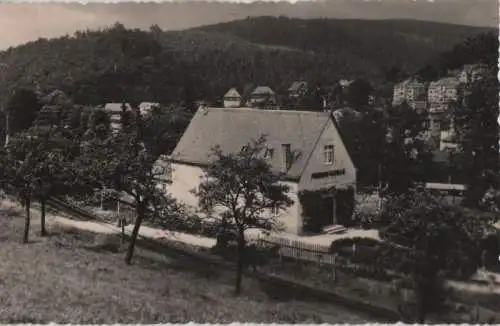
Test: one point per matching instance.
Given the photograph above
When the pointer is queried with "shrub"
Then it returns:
(367, 220)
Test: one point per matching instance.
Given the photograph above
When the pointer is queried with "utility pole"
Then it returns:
(380, 188)
(7, 131)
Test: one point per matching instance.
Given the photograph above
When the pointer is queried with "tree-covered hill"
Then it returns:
(405, 43)
(117, 64)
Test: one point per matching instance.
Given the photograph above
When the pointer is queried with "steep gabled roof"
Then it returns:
(410, 82)
(297, 85)
(345, 82)
(148, 105)
(447, 81)
(233, 128)
(263, 90)
(232, 93)
(116, 107)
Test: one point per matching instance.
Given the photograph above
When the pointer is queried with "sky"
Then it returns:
(24, 22)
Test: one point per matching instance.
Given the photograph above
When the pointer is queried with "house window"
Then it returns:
(286, 152)
(168, 174)
(275, 210)
(328, 153)
(268, 153)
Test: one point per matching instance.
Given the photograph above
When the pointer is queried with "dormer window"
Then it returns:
(328, 154)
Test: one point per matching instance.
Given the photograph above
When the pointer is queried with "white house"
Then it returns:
(232, 99)
(114, 110)
(409, 90)
(262, 95)
(444, 90)
(307, 146)
(147, 107)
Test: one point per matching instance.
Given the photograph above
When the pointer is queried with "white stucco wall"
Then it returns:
(291, 217)
(232, 103)
(316, 163)
(186, 178)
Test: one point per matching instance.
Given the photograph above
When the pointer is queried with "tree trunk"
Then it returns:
(421, 312)
(123, 230)
(43, 230)
(421, 297)
(135, 232)
(27, 203)
(239, 262)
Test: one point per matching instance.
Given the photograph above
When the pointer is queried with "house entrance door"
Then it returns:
(328, 205)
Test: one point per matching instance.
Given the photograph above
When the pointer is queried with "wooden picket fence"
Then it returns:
(297, 250)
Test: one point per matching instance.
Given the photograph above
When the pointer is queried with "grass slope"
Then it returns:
(70, 278)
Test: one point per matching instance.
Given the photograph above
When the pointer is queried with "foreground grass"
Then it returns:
(70, 278)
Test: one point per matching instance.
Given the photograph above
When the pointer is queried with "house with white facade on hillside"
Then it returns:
(262, 96)
(114, 111)
(232, 99)
(306, 146)
(147, 107)
(410, 91)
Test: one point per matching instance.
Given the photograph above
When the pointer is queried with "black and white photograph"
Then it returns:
(308, 162)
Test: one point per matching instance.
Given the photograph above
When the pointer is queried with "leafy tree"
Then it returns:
(428, 73)
(406, 154)
(312, 99)
(54, 171)
(23, 108)
(127, 119)
(123, 163)
(358, 93)
(22, 161)
(99, 124)
(100, 66)
(481, 48)
(163, 129)
(441, 240)
(394, 74)
(479, 132)
(240, 189)
(78, 120)
(365, 137)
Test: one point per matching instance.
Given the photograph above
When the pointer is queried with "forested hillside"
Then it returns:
(117, 64)
(373, 43)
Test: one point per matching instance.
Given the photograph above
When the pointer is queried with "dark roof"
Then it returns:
(232, 93)
(263, 90)
(233, 128)
(297, 85)
(116, 107)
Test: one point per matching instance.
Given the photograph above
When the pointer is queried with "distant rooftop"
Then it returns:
(297, 85)
(116, 107)
(263, 90)
(447, 81)
(232, 93)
